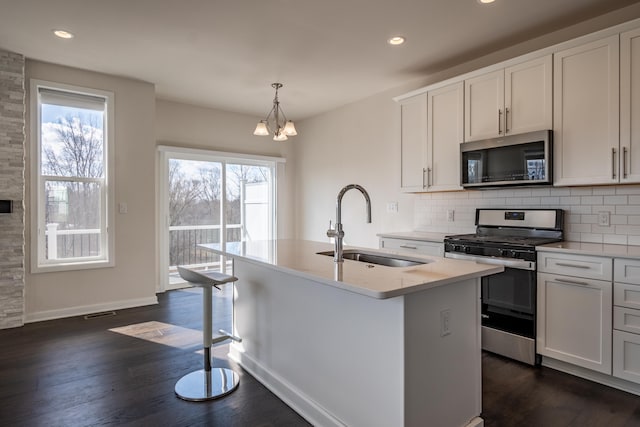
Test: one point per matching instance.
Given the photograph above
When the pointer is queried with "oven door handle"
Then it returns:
(510, 263)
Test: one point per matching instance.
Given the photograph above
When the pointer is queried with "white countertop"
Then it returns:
(595, 249)
(299, 257)
(422, 236)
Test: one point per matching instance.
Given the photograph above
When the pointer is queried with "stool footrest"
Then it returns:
(230, 335)
(224, 335)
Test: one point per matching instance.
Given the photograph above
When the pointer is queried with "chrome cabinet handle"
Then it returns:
(562, 264)
(506, 120)
(429, 177)
(408, 247)
(613, 163)
(499, 121)
(571, 282)
(624, 162)
(423, 172)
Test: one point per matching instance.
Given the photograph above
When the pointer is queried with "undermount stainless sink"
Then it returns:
(377, 258)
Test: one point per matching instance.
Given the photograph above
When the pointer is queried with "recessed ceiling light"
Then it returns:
(486, 1)
(396, 40)
(63, 34)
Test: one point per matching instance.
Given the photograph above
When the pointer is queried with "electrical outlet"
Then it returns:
(123, 208)
(445, 322)
(392, 207)
(450, 214)
(603, 219)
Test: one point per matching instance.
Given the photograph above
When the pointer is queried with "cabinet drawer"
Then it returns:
(626, 319)
(626, 270)
(590, 267)
(412, 246)
(626, 295)
(626, 356)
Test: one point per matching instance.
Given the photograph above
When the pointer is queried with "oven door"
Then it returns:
(508, 298)
(509, 301)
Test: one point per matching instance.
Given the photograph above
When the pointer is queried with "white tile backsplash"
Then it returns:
(581, 206)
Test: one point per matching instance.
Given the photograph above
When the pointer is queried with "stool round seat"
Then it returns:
(206, 384)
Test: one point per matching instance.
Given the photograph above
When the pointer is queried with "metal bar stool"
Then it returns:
(207, 383)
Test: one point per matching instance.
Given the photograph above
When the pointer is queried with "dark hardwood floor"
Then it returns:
(120, 371)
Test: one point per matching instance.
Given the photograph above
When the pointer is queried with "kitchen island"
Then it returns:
(380, 346)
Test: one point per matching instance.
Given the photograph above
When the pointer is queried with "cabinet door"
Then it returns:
(413, 142)
(444, 136)
(528, 95)
(574, 321)
(586, 113)
(626, 356)
(484, 106)
(630, 106)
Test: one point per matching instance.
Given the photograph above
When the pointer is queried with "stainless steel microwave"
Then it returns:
(523, 159)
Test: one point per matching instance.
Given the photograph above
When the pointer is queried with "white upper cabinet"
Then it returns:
(630, 106)
(512, 100)
(528, 96)
(586, 113)
(444, 135)
(431, 133)
(484, 106)
(413, 143)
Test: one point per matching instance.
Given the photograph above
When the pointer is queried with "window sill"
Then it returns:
(71, 266)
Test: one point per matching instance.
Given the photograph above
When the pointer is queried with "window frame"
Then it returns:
(39, 263)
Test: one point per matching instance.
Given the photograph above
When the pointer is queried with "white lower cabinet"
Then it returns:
(574, 320)
(412, 246)
(626, 356)
(626, 320)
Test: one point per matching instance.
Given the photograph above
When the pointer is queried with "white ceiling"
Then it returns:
(226, 53)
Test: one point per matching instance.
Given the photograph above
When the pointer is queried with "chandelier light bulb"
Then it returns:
(261, 128)
(280, 136)
(290, 129)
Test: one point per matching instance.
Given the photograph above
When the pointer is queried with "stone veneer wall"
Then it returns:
(581, 205)
(12, 182)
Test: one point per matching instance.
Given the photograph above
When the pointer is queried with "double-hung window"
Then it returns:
(72, 192)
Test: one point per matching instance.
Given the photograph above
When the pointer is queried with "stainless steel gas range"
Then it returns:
(508, 237)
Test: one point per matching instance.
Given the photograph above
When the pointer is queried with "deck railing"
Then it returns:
(183, 243)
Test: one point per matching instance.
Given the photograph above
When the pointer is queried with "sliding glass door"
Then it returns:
(211, 198)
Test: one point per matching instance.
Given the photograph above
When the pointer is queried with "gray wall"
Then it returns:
(12, 188)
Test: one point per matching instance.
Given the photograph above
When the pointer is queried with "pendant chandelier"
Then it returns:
(276, 122)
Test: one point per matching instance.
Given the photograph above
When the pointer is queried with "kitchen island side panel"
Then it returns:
(443, 357)
(335, 356)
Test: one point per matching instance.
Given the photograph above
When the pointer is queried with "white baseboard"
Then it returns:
(594, 376)
(301, 403)
(88, 309)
